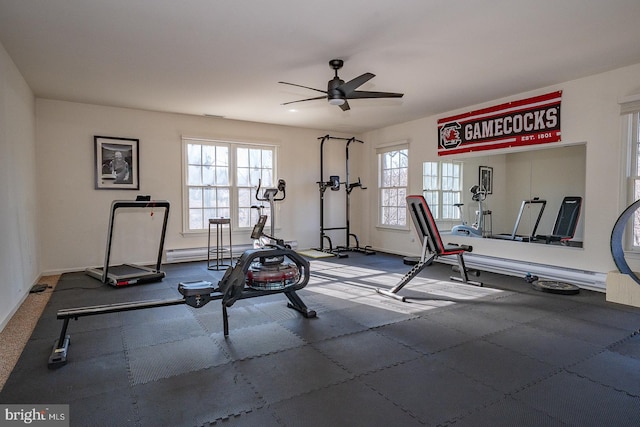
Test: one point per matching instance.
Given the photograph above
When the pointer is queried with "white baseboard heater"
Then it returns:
(585, 279)
(200, 254)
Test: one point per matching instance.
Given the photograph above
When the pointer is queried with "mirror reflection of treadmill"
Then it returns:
(130, 274)
(514, 234)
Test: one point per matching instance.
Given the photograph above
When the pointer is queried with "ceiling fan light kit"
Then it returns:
(338, 92)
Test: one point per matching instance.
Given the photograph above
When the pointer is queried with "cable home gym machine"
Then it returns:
(334, 185)
(130, 274)
(271, 269)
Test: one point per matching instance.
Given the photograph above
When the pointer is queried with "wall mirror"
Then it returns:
(534, 196)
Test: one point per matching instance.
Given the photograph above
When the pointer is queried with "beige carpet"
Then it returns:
(17, 332)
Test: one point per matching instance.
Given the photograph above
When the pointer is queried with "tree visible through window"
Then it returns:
(442, 188)
(221, 180)
(394, 173)
(634, 178)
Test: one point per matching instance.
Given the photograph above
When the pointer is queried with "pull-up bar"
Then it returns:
(326, 137)
(334, 184)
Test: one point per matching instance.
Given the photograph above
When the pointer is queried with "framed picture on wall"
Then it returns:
(116, 163)
(485, 180)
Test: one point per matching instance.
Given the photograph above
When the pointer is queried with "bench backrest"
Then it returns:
(425, 223)
(567, 219)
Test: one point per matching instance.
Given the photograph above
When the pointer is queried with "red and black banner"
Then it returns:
(526, 122)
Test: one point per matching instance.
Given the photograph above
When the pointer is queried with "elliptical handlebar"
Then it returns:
(270, 193)
(478, 193)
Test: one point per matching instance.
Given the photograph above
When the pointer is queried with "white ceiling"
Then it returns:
(225, 57)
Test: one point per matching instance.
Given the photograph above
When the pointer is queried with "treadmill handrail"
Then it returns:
(535, 227)
(117, 204)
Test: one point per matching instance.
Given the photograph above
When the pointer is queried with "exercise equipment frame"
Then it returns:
(135, 274)
(334, 184)
(231, 288)
(432, 248)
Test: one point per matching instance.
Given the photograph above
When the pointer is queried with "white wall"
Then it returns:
(590, 114)
(18, 198)
(75, 216)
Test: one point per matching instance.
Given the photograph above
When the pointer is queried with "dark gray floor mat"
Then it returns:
(453, 354)
(347, 404)
(507, 412)
(544, 345)
(151, 363)
(578, 401)
(430, 390)
(353, 352)
(195, 398)
(291, 372)
(495, 366)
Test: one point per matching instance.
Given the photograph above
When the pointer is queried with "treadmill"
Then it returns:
(131, 274)
(520, 238)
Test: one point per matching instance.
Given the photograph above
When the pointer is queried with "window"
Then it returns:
(634, 174)
(220, 181)
(442, 188)
(394, 174)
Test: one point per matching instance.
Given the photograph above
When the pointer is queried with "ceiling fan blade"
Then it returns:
(360, 94)
(305, 87)
(308, 99)
(345, 106)
(353, 84)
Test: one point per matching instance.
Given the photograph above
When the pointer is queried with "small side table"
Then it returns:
(218, 250)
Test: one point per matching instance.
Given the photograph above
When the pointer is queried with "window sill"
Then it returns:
(402, 228)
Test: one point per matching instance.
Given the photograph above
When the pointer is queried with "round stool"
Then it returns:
(218, 250)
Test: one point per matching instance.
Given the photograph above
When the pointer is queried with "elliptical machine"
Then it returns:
(270, 273)
(479, 194)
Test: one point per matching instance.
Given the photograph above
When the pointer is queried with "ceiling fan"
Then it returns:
(338, 92)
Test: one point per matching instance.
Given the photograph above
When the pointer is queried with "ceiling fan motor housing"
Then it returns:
(332, 89)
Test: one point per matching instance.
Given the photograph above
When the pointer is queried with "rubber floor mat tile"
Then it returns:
(353, 352)
(495, 366)
(148, 364)
(629, 346)
(161, 331)
(327, 325)
(257, 340)
(544, 345)
(471, 322)
(592, 332)
(431, 391)
(351, 403)
(282, 375)
(424, 334)
(613, 370)
(115, 408)
(196, 398)
(507, 413)
(578, 401)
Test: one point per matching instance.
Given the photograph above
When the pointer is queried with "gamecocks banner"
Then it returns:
(526, 122)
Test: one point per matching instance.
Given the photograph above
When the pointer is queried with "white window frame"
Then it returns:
(393, 184)
(633, 178)
(442, 188)
(237, 213)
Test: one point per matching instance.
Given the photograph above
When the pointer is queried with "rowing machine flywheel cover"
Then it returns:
(272, 277)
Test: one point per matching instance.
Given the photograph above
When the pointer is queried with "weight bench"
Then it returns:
(566, 222)
(432, 247)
